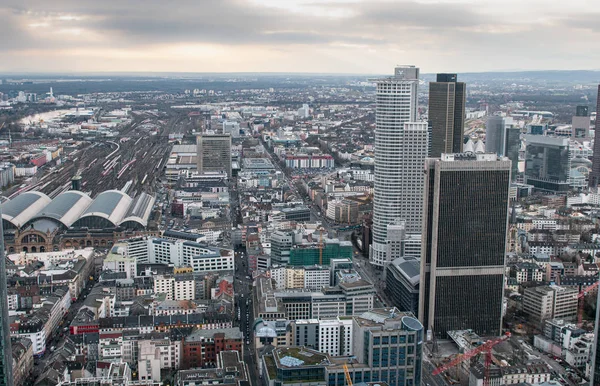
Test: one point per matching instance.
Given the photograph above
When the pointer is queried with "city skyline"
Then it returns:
(331, 36)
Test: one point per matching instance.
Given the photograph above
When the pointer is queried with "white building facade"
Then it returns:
(401, 146)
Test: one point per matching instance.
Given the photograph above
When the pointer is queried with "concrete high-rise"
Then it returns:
(595, 174)
(401, 146)
(6, 357)
(464, 243)
(214, 153)
(446, 114)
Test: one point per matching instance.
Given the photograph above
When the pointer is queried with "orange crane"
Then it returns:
(348, 379)
(580, 299)
(486, 347)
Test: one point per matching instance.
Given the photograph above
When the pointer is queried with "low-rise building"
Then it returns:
(201, 347)
(526, 272)
(22, 352)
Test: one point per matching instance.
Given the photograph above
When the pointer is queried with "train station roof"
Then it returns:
(139, 210)
(111, 205)
(66, 208)
(73, 208)
(23, 207)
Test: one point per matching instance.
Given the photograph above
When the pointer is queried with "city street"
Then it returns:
(243, 295)
(428, 379)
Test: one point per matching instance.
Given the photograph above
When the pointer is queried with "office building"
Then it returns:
(335, 336)
(464, 243)
(595, 174)
(317, 254)
(512, 147)
(547, 163)
(305, 333)
(351, 296)
(401, 146)
(6, 356)
(214, 153)
(200, 257)
(550, 302)
(281, 245)
(495, 134)
(386, 348)
(580, 123)
(298, 214)
(504, 138)
(446, 114)
(402, 283)
(391, 344)
(537, 129)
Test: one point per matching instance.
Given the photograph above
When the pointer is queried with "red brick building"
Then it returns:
(201, 347)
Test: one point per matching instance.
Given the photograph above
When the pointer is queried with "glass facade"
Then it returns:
(401, 292)
(513, 145)
(472, 218)
(544, 162)
(463, 268)
(458, 306)
(547, 163)
(303, 256)
(446, 115)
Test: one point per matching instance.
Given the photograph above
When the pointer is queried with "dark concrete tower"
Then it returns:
(464, 243)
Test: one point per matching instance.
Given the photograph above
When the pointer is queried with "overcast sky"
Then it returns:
(333, 36)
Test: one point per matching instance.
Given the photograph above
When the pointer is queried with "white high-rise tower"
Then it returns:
(401, 146)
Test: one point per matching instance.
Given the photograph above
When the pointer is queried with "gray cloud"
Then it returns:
(236, 22)
(461, 30)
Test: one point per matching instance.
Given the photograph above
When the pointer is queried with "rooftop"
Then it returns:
(291, 357)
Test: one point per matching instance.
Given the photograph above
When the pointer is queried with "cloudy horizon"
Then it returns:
(302, 36)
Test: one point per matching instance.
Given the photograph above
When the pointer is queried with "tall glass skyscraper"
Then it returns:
(464, 243)
(401, 146)
(446, 114)
(6, 358)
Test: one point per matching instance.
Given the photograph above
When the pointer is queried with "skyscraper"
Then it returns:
(503, 138)
(214, 153)
(464, 242)
(512, 147)
(446, 114)
(495, 134)
(548, 162)
(582, 111)
(400, 150)
(6, 358)
(580, 123)
(595, 174)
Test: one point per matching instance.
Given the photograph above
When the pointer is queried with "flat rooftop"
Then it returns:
(307, 356)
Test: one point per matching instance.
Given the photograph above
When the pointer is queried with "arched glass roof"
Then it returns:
(66, 207)
(111, 206)
(23, 208)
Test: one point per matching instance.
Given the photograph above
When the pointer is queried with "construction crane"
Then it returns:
(348, 379)
(486, 347)
(580, 299)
